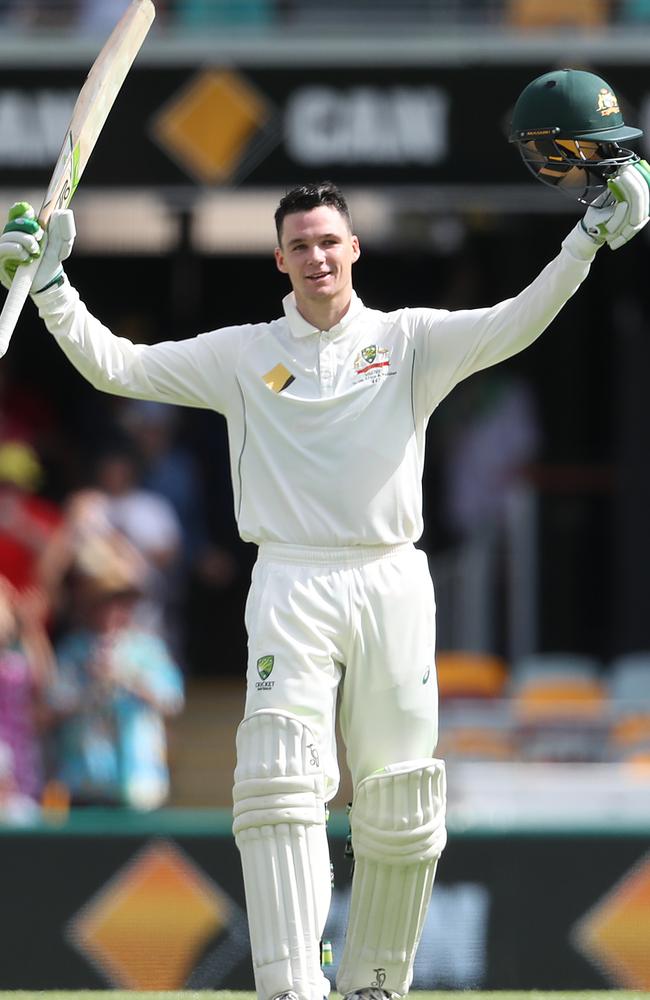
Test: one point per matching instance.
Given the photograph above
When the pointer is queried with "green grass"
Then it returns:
(233, 995)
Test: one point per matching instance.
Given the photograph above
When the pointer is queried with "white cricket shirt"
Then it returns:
(326, 427)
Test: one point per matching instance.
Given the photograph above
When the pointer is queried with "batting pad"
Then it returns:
(279, 827)
(398, 834)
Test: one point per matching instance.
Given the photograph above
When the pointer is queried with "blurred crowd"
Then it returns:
(99, 16)
(96, 572)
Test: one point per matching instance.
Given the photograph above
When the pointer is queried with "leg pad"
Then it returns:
(279, 827)
(398, 834)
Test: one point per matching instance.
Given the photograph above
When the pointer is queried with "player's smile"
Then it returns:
(317, 252)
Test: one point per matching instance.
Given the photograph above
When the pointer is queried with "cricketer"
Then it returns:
(327, 408)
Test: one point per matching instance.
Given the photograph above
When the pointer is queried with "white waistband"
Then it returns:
(348, 555)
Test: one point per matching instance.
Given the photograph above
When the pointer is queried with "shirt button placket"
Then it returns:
(326, 364)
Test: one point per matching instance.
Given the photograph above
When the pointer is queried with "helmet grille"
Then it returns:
(580, 168)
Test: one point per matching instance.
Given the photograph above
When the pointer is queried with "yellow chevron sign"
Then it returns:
(148, 925)
(615, 933)
(208, 126)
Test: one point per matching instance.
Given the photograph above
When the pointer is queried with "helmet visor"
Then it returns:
(580, 168)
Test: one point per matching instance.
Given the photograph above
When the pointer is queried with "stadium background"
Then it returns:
(407, 106)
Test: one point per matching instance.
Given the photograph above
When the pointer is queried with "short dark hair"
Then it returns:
(308, 196)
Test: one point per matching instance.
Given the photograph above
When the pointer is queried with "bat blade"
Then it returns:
(92, 107)
(94, 103)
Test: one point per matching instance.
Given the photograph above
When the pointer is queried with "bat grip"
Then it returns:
(16, 298)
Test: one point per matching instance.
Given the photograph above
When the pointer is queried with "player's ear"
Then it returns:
(356, 249)
(279, 260)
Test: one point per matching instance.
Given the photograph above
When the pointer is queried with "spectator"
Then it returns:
(210, 577)
(116, 686)
(151, 524)
(84, 545)
(493, 434)
(25, 413)
(15, 808)
(27, 520)
(26, 667)
(489, 438)
(169, 469)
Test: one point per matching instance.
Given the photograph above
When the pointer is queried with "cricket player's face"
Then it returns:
(317, 252)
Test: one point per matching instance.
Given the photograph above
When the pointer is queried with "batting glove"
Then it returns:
(21, 242)
(628, 208)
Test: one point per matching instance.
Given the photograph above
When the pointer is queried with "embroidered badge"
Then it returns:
(607, 102)
(264, 667)
(372, 363)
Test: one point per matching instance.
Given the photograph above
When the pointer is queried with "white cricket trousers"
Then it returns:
(354, 627)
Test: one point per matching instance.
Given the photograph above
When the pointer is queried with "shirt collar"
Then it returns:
(301, 328)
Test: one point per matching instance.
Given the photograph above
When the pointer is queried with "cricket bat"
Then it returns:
(95, 100)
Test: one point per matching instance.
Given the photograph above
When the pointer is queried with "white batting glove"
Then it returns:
(617, 223)
(22, 240)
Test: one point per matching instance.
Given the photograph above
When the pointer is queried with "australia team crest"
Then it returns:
(372, 363)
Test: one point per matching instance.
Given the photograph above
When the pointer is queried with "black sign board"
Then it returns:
(370, 125)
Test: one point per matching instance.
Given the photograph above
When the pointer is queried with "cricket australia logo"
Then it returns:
(264, 669)
(372, 363)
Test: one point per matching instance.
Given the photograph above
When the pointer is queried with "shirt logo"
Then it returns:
(372, 363)
(264, 668)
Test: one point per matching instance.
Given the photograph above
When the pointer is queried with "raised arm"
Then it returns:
(453, 345)
(195, 372)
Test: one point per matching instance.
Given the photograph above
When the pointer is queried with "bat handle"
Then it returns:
(16, 298)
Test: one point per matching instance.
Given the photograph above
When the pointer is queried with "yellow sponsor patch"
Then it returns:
(278, 378)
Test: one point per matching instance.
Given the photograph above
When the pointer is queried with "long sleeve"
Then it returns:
(452, 345)
(195, 372)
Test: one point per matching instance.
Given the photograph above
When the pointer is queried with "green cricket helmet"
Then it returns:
(568, 127)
